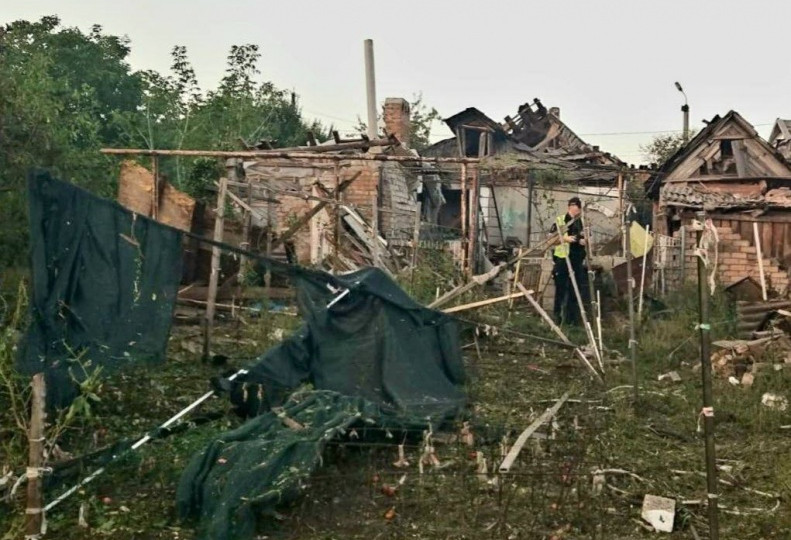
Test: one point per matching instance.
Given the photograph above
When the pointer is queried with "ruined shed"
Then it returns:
(532, 146)
(742, 183)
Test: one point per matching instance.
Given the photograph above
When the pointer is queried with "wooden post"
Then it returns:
(415, 244)
(760, 255)
(630, 301)
(247, 223)
(337, 209)
(531, 183)
(463, 212)
(708, 402)
(34, 515)
(620, 206)
(155, 187)
(219, 223)
(588, 265)
(472, 244)
(374, 230)
(683, 255)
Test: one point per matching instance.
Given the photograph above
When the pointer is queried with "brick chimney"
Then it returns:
(397, 119)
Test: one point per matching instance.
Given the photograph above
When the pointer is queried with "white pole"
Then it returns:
(598, 319)
(642, 277)
(370, 88)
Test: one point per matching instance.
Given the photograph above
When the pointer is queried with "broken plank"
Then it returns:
(310, 215)
(513, 453)
(555, 328)
(482, 303)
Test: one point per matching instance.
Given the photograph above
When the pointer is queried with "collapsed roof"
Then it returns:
(536, 135)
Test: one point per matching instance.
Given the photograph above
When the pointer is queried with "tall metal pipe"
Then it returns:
(370, 87)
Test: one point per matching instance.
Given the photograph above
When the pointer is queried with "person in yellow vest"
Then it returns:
(566, 308)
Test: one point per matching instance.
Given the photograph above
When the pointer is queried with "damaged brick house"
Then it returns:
(535, 144)
(742, 183)
(287, 189)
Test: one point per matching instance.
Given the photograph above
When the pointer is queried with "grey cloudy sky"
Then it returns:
(609, 65)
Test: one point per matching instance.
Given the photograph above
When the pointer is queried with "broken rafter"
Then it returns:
(305, 153)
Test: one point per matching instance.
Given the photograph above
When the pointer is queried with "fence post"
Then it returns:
(34, 512)
(708, 402)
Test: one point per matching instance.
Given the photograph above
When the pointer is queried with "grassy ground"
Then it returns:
(651, 448)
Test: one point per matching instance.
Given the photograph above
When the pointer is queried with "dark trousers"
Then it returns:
(566, 308)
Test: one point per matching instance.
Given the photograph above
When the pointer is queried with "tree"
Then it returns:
(59, 90)
(662, 147)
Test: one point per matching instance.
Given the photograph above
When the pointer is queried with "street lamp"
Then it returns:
(685, 110)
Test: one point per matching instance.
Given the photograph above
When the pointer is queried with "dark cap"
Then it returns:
(575, 201)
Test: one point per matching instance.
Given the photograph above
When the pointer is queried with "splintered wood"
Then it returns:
(508, 462)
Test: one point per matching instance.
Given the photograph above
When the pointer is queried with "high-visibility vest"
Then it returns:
(562, 249)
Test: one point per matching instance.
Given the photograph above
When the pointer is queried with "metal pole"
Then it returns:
(370, 87)
(708, 400)
(630, 293)
(685, 110)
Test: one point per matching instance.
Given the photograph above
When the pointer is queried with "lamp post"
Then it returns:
(685, 110)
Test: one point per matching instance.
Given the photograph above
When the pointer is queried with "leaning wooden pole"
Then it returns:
(708, 401)
(214, 277)
(588, 265)
(34, 514)
(583, 314)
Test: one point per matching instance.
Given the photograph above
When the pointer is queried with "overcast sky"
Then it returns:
(609, 65)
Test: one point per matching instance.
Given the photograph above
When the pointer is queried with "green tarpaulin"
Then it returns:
(105, 282)
(374, 356)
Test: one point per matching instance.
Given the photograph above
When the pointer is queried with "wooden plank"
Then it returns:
(777, 240)
(766, 238)
(746, 229)
(215, 266)
(513, 453)
(738, 156)
(786, 256)
(34, 514)
(760, 260)
(482, 303)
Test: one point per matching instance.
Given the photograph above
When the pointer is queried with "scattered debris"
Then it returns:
(401, 462)
(773, 401)
(672, 375)
(659, 512)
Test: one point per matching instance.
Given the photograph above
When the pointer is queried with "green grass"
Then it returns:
(512, 381)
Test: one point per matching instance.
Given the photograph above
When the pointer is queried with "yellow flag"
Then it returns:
(640, 241)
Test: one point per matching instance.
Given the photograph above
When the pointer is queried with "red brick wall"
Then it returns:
(397, 120)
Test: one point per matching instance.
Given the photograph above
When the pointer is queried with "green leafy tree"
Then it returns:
(59, 90)
(662, 147)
